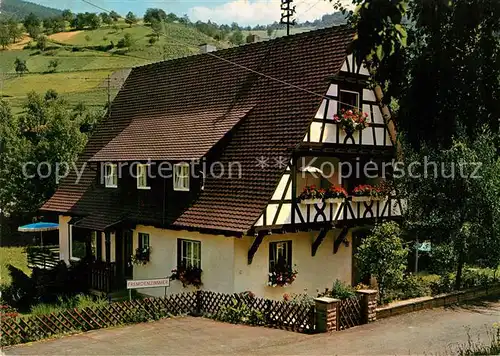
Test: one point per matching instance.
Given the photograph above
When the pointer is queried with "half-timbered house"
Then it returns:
(241, 131)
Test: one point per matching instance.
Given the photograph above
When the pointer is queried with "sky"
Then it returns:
(244, 12)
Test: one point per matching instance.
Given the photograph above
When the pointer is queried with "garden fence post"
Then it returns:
(368, 305)
(326, 314)
(199, 296)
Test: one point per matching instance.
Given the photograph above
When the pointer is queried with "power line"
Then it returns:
(236, 64)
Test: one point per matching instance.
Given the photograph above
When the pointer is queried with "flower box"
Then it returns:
(310, 201)
(334, 200)
(141, 256)
(187, 276)
(282, 276)
(351, 120)
(361, 198)
(311, 195)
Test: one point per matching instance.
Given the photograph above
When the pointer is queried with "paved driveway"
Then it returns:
(430, 331)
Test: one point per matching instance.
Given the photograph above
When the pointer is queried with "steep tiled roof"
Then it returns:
(178, 110)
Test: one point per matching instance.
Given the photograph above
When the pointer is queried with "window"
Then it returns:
(348, 99)
(189, 253)
(143, 240)
(110, 175)
(280, 255)
(78, 243)
(181, 177)
(142, 176)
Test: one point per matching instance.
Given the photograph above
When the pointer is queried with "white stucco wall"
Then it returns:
(217, 256)
(64, 238)
(314, 273)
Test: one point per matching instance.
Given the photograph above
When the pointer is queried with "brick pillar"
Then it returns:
(369, 304)
(326, 314)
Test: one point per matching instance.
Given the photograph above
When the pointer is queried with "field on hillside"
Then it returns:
(85, 61)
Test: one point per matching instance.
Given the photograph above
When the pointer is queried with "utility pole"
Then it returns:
(287, 11)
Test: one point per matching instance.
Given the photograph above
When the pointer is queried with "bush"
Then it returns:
(79, 302)
(442, 259)
(302, 299)
(382, 255)
(340, 290)
(240, 313)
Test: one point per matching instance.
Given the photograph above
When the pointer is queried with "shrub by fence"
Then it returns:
(280, 314)
(276, 314)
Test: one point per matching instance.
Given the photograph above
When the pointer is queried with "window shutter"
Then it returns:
(179, 252)
(272, 255)
(289, 245)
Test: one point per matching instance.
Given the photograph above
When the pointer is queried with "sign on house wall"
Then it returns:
(148, 283)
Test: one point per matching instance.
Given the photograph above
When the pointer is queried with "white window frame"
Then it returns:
(194, 259)
(142, 173)
(358, 95)
(283, 246)
(141, 239)
(111, 178)
(181, 177)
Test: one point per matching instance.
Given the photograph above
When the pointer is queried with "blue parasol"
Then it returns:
(39, 227)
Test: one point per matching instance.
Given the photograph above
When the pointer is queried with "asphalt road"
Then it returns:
(436, 331)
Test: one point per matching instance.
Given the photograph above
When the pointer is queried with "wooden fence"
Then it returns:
(279, 314)
(349, 313)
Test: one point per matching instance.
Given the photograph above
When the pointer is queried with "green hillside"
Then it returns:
(18, 9)
(85, 59)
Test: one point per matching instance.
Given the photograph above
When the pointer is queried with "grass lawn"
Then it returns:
(14, 256)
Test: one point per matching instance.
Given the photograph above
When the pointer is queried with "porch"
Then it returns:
(105, 255)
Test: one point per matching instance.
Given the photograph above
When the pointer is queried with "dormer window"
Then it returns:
(181, 177)
(142, 176)
(110, 175)
(348, 100)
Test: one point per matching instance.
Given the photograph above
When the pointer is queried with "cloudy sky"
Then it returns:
(245, 12)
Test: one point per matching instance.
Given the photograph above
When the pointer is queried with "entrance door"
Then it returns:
(128, 251)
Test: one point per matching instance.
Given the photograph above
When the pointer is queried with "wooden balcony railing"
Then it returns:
(46, 257)
(102, 276)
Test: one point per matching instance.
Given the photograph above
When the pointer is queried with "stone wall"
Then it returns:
(411, 305)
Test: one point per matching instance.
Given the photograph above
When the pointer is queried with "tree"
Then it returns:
(53, 64)
(126, 41)
(93, 21)
(20, 66)
(436, 67)
(41, 42)
(131, 19)
(32, 24)
(270, 31)
(15, 32)
(452, 203)
(158, 28)
(236, 38)
(152, 15)
(67, 15)
(106, 19)
(383, 256)
(4, 35)
(48, 25)
(114, 15)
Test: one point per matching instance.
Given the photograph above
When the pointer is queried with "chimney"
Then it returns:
(252, 38)
(205, 48)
